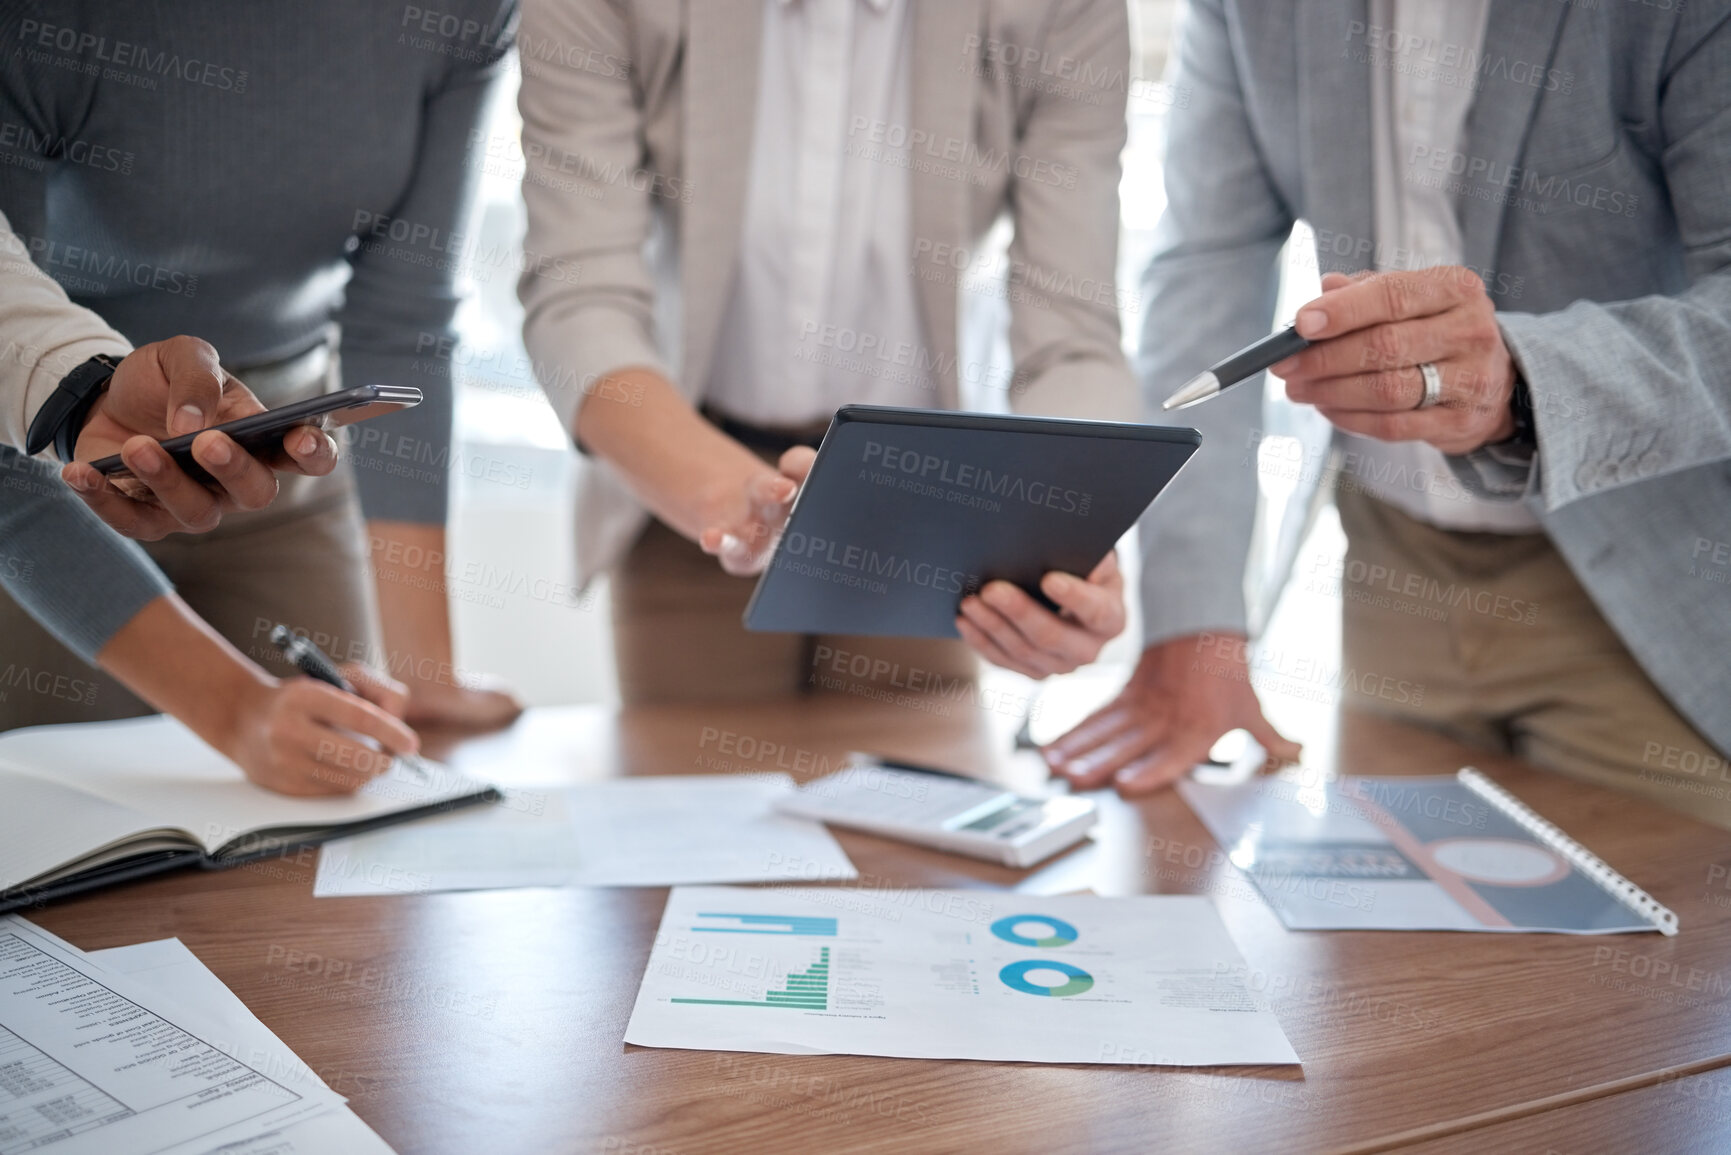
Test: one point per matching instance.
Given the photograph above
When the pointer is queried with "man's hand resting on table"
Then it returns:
(1000, 623)
(1185, 694)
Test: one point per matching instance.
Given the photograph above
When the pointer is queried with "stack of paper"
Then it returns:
(141, 1049)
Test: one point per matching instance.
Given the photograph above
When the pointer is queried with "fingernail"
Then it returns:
(1058, 584)
(1284, 368)
(218, 452)
(150, 462)
(1311, 322)
(83, 483)
(188, 418)
(309, 443)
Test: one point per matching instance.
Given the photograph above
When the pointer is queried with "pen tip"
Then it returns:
(1198, 388)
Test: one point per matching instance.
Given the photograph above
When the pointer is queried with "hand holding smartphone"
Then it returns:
(261, 434)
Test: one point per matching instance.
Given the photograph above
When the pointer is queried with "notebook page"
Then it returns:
(167, 776)
(45, 824)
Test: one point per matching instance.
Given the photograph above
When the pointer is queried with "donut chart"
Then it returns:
(1059, 932)
(1015, 976)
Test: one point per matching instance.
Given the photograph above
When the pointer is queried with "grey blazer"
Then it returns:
(1595, 200)
(637, 121)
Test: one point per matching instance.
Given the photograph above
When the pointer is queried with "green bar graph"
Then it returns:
(806, 990)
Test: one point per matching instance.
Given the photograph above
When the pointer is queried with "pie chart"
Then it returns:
(1016, 977)
(1014, 929)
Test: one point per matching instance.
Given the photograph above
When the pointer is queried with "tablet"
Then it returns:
(908, 511)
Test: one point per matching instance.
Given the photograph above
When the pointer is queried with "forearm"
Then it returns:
(689, 473)
(409, 567)
(171, 658)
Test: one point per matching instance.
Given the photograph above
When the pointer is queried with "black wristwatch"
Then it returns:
(61, 418)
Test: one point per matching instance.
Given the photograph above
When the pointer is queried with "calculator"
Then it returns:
(943, 810)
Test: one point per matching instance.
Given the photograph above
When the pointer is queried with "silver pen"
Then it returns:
(1242, 365)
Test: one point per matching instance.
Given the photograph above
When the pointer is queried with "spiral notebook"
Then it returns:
(1455, 853)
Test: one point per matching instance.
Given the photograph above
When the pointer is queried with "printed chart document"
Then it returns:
(656, 831)
(953, 975)
(93, 1062)
(1454, 853)
(168, 969)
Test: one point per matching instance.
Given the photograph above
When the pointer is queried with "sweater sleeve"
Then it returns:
(402, 297)
(43, 336)
(70, 572)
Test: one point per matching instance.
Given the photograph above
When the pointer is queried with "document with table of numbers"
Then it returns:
(96, 1063)
(935, 974)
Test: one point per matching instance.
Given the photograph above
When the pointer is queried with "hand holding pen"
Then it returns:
(348, 717)
(1399, 356)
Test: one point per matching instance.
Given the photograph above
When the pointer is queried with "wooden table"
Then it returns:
(492, 1021)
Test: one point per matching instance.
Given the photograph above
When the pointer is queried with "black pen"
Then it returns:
(308, 658)
(1245, 363)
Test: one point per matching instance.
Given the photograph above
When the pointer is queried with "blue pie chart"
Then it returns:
(1058, 932)
(1015, 976)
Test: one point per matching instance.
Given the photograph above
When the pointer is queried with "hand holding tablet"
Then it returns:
(919, 523)
(1010, 629)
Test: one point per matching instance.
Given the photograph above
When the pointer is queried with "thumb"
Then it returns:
(796, 463)
(195, 378)
(1280, 748)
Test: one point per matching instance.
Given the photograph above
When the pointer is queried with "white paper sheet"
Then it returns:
(658, 831)
(952, 975)
(167, 968)
(98, 1063)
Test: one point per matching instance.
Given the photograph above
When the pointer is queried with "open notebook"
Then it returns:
(101, 802)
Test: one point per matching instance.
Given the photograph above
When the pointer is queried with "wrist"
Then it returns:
(721, 496)
(63, 416)
(173, 660)
(239, 710)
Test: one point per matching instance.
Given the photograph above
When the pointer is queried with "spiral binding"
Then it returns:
(1578, 856)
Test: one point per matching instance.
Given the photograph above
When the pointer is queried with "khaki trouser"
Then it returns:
(678, 637)
(303, 561)
(1502, 648)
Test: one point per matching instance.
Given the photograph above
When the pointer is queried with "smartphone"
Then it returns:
(263, 432)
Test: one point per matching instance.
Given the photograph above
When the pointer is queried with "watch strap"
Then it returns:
(62, 416)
